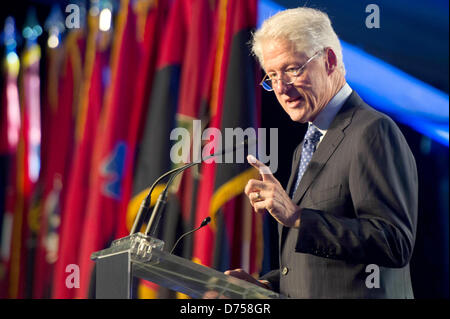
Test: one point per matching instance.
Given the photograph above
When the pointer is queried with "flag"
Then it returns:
(9, 119)
(192, 115)
(242, 230)
(53, 67)
(153, 157)
(192, 111)
(9, 139)
(153, 154)
(91, 101)
(235, 236)
(154, 14)
(10, 111)
(27, 167)
(58, 163)
(112, 146)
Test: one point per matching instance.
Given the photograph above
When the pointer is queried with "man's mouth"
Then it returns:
(294, 102)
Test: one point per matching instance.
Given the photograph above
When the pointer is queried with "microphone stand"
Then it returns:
(162, 199)
(145, 205)
(203, 224)
(140, 244)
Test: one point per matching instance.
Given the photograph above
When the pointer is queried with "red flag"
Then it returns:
(58, 163)
(54, 58)
(9, 139)
(155, 17)
(27, 167)
(10, 110)
(113, 149)
(163, 100)
(194, 80)
(153, 156)
(179, 216)
(204, 241)
(235, 105)
(91, 99)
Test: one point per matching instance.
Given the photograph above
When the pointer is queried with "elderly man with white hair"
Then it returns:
(347, 218)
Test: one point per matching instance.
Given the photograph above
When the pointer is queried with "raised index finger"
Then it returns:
(264, 170)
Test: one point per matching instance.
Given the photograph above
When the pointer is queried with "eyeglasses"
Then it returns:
(292, 74)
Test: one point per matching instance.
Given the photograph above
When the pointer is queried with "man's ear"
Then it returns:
(330, 61)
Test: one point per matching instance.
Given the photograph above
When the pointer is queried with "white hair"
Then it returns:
(309, 30)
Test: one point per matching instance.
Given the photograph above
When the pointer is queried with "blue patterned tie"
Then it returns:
(312, 137)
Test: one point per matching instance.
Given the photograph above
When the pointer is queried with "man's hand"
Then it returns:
(269, 195)
(241, 274)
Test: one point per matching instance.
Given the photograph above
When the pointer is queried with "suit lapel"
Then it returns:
(320, 157)
(328, 146)
(318, 161)
(292, 178)
(294, 170)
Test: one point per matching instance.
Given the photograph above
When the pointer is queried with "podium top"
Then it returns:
(148, 261)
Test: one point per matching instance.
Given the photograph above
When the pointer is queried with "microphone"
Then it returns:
(153, 223)
(205, 222)
(162, 199)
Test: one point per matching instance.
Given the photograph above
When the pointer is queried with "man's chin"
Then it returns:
(299, 118)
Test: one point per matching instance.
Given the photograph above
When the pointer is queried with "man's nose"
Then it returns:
(281, 87)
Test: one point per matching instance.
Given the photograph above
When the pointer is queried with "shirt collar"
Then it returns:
(326, 116)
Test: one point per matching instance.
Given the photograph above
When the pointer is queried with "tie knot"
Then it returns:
(313, 134)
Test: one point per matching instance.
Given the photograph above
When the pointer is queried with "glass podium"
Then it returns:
(140, 256)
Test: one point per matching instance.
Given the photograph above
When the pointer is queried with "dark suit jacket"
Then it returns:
(359, 207)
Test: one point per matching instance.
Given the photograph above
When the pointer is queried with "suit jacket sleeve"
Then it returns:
(382, 182)
(273, 276)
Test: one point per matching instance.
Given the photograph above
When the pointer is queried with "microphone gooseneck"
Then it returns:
(205, 222)
(162, 199)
